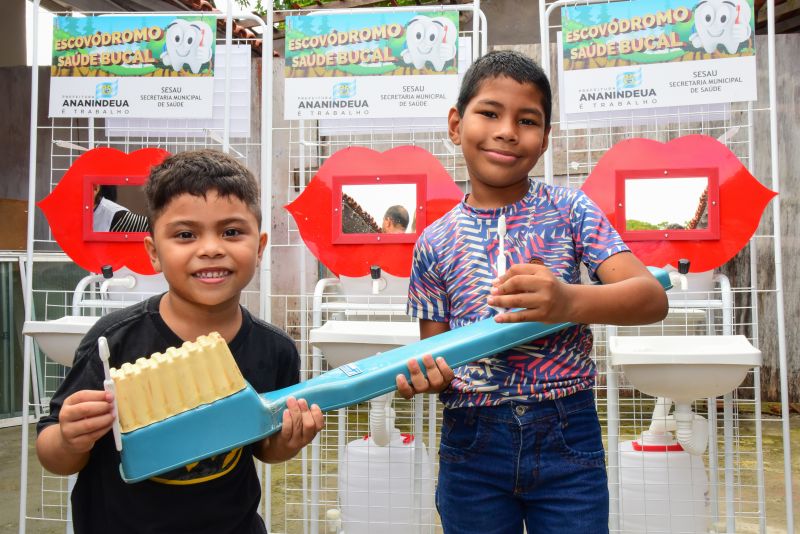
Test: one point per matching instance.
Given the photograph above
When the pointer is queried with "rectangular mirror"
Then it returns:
(378, 209)
(114, 208)
(670, 204)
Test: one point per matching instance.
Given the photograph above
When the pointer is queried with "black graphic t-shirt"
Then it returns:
(216, 495)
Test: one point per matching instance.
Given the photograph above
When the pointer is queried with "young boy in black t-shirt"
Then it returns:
(205, 237)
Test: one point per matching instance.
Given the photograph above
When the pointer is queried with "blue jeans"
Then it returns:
(542, 464)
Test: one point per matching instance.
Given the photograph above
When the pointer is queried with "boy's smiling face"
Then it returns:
(208, 249)
(502, 135)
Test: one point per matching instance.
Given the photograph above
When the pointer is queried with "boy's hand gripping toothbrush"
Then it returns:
(192, 403)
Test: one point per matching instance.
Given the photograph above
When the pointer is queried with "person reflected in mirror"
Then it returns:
(395, 220)
(108, 216)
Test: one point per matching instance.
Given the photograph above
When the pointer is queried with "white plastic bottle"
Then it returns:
(663, 489)
(381, 489)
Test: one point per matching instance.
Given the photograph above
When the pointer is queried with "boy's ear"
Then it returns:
(454, 126)
(546, 140)
(150, 247)
(262, 244)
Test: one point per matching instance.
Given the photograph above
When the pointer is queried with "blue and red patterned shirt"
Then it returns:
(454, 265)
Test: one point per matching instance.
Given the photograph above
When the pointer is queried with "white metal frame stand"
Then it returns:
(546, 10)
(311, 492)
(265, 177)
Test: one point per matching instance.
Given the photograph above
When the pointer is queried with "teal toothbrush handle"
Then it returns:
(365, 379)
(246, 416)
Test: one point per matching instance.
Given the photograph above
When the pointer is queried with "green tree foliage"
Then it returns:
(633, 224)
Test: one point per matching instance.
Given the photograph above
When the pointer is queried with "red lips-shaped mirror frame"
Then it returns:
(742, 198)
(313, 211)
(64, 208)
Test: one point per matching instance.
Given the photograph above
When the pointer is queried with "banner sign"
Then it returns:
(655, 53)
(188, 126)
(132, 66)
(372, 65)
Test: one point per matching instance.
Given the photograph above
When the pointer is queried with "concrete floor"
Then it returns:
(10, 441)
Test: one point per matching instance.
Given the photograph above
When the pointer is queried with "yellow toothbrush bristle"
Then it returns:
(179, 380)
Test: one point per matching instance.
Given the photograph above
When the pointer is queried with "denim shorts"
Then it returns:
(541, 464)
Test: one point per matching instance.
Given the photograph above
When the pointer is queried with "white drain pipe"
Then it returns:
(692, 431)
(660, 421)
(381, 419)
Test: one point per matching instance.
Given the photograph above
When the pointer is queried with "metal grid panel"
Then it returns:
(66, 139)
(734, 460)
(306, 488)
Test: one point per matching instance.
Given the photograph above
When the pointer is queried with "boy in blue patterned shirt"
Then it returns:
(521, 441)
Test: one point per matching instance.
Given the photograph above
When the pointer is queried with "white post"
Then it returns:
(265, 270)
(265, 273)
(28, 343)
(544, 39)
(727, 407)
(476, 22)
(776, 221)
(612, 415)
(226, 117)
(762, 498)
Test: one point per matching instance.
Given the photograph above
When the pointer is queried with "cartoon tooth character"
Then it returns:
(187, 43)
(433, 40)
(721, 22)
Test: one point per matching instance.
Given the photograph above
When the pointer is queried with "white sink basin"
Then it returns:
(59, 338)
(343, 342)
(684, 368)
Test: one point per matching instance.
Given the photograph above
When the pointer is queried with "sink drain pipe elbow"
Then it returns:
(381, 419)
(692, 432)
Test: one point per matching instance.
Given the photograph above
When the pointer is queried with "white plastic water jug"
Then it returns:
(663, 490)
(379, 490)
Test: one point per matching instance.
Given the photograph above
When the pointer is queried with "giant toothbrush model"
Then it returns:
(166, 422)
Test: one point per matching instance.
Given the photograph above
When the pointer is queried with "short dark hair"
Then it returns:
(197, 172)
(511, 64)
(398, 215)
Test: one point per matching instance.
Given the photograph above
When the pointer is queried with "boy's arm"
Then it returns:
(427, 291)
(629, 295)
(301, 424)
(85, 416)
(429, 328)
